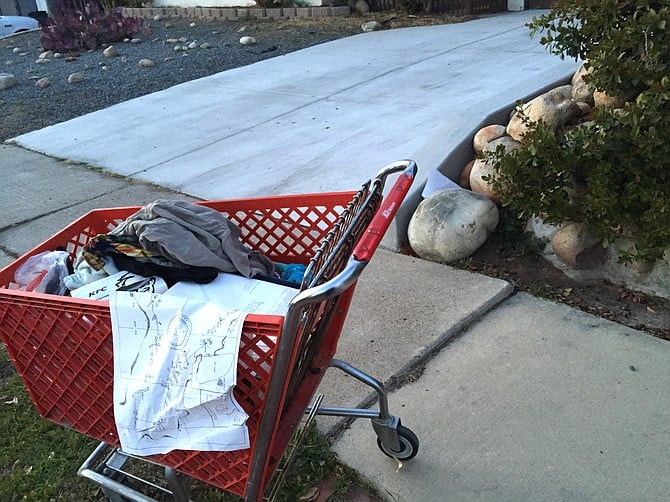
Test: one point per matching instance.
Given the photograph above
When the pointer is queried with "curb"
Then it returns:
(412, 369)
(235, 13)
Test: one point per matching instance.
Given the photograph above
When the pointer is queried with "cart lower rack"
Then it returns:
(62, 346)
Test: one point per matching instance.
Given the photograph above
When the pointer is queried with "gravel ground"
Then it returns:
(107, 81)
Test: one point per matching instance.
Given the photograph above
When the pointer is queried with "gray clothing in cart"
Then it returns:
(194, 235)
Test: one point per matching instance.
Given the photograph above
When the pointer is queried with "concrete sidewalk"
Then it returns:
(535, 401)
(320, 119)
(512, 397)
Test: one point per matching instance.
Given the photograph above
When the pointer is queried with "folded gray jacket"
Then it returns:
(193, 235)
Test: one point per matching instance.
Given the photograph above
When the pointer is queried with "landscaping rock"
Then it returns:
(542, 230)
(555, 108)
(146, 63)
(481, 168)
(7, 80)
(451, 224)
(485, 135)
(600, 98)
(75, 78)
(580, 89)
(507, 142)
(371, 26)
(43, 83)
(110, 52)
(649, 278)
(576, 248)
(584, 108)
(464, 178)
(361, 6)
(247, 40)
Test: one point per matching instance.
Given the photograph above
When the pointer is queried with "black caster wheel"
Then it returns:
(409, 445)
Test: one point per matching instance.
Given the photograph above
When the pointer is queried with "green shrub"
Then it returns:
(618, 163)
(625, 41)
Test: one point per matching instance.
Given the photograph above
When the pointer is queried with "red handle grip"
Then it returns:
(382, 219)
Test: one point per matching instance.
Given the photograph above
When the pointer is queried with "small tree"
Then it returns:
(619, 161)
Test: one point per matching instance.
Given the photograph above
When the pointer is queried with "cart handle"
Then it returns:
(382, 220)
(333, 287)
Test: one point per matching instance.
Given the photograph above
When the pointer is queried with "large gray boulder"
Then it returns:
(451, 224)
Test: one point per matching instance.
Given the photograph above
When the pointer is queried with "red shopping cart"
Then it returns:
(62, 346)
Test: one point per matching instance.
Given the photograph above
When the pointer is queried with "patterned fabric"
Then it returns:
(102, 245)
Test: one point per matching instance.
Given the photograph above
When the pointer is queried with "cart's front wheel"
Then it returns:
(409, 445)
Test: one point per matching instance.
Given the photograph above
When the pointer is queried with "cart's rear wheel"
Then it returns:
(409, 445)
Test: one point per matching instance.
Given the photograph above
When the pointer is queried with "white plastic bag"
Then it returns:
(43, 273)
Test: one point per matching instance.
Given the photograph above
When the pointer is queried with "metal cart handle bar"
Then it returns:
(330, 289)
(382, 219)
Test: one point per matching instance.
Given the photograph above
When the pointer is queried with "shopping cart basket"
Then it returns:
(62, 346)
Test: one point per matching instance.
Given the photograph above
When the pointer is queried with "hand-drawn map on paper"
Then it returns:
(175, 366)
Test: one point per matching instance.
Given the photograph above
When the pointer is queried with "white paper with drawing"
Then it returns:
(237, 292)
(175, 365)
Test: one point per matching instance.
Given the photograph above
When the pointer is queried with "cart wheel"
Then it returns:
(409, 445)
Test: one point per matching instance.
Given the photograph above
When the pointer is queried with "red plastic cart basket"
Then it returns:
(62, 346)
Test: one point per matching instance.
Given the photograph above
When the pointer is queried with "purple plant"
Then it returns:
(86, 27)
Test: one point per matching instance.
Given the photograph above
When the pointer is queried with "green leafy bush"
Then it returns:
(612, 172)
(625, 41)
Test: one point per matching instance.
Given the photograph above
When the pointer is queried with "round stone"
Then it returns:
(451, 224)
